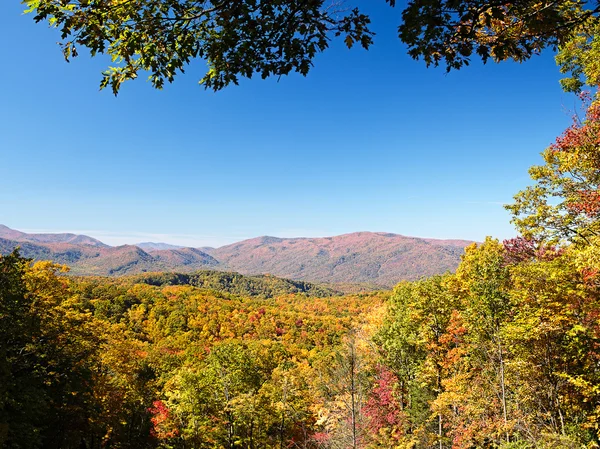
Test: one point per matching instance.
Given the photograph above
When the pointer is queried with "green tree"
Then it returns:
(451, 32)
(236, 38)
(273, 38)
(578, 57)
(564, 203)
(553, 335)
(483, 284)
(414, 341)
(344, 385)
(48, 358)
(225, 400)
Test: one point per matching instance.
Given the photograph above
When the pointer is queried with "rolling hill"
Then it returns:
(18, 236)
(104, 260)
(374, 258)
(361, 257)
(262, 286)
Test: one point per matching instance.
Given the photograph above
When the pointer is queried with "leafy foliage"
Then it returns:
(264, 286)
(578, 57)
(240, 38)
(498, 355)
(115, 363)
(48, 355)
(274, 38)
(564, 203)
(451, 32)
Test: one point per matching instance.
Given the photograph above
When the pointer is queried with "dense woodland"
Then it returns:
(260, 286)
(113, 363)
(504, 353)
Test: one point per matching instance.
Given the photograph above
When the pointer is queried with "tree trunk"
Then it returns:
(503, 388)
(440, 426)
(353, 394)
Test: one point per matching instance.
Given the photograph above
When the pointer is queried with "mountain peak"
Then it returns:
(360, 257)
(375, 258)
(76, 239)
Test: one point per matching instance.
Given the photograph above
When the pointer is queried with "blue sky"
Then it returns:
(369, 141)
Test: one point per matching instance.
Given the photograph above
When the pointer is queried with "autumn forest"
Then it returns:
(502, 352)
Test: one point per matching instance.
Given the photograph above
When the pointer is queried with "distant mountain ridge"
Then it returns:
(375, 258)
(18, 236)
(360, 257)
(88, 256)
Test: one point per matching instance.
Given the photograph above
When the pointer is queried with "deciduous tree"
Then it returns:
(564, 203)
(244, 38)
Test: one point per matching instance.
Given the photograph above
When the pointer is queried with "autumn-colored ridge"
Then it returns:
(362, 257)
(261, 286)
(75, 239)
(376, 259)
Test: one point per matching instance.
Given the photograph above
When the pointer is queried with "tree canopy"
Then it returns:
(235, 38)
(451, 31)
(564, 203)
(244, 38)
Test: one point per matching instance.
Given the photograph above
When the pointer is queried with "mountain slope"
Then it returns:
(380, 258)
(262, 286)
(18, 236)
(111, 261)
(374, 258)
(129, 259)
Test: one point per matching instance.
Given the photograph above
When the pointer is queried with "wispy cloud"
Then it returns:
(495, 203)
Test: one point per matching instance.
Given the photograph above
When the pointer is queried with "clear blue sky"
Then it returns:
(369, 141)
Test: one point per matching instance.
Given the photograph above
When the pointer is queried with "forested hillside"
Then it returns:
(104, 260)
(75, 239)
(374, 259)
(504, 353)
(263, 286)
(109, 363)
(361, 257)
(489, 345)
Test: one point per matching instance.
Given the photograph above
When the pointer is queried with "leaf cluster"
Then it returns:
(235, 38)
(453, 31)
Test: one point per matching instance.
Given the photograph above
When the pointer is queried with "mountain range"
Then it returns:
(375, 258)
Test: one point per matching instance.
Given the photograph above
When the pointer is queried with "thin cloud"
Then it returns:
(495, 203)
